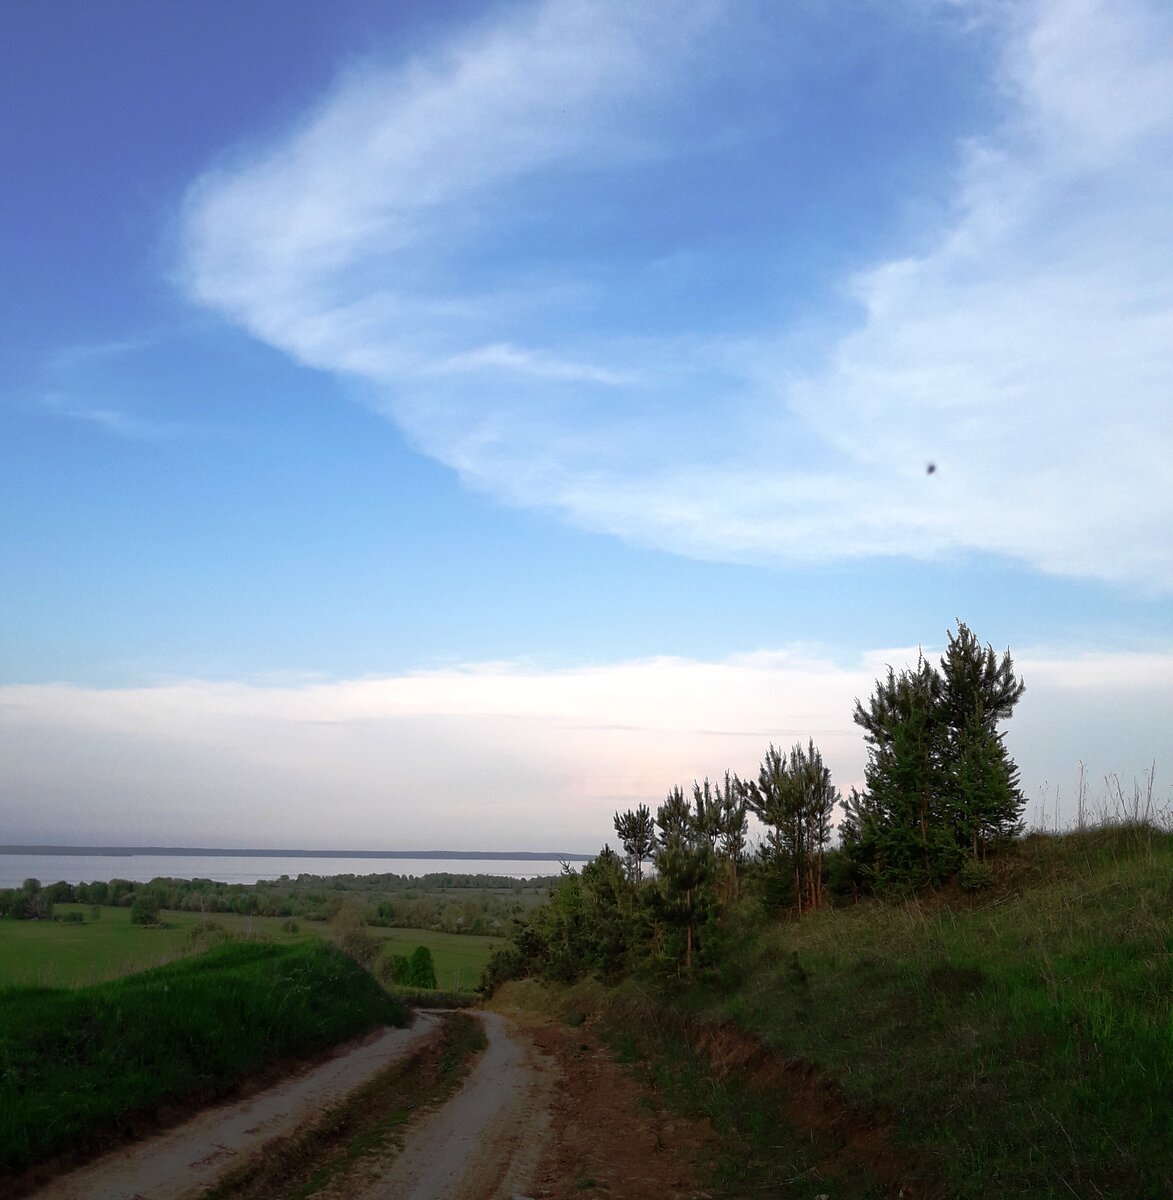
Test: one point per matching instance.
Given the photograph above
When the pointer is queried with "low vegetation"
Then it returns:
(1016, 1041)
(80, 1067)
(87, 945)
(938, 1003)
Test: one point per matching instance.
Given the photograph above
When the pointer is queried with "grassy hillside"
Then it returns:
(1017, 1041)
(77, 1066)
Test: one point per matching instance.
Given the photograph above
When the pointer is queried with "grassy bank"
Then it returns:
(79, 1067)
(1014, 1042)
(60, 953)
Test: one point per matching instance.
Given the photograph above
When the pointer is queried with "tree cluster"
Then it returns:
(940, 788)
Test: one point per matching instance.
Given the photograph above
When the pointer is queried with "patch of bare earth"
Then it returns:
(607, 1134)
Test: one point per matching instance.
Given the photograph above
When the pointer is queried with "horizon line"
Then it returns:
(222, 852)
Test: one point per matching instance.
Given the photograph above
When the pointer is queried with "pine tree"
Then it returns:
(977, 691)
(734, 828)
(939, 782)
(684, 865)
(794, 799)
(637, 832)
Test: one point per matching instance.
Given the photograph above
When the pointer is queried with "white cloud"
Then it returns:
(1024, 348)
(495, 756)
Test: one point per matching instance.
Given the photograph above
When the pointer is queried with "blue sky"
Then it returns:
(526, 407)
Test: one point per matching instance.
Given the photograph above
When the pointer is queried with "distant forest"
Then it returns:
(441, 901)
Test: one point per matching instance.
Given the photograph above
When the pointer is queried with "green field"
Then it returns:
(63, 954)
(459, 958)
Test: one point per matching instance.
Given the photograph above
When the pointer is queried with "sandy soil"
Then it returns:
(183, 1161)
(544, 1114)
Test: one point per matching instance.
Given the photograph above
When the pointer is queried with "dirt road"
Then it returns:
(187, 1159)
(485, 1143)
(543, 1113)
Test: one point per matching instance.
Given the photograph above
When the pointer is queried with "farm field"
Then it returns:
(65, 954)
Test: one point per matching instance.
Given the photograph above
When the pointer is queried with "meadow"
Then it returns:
(66, 954)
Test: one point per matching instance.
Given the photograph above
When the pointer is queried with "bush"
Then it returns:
(361, 945)
(144, 910)
(975, 876)
(207, 934)
(421, 968)
(415, 971)
(393, 970)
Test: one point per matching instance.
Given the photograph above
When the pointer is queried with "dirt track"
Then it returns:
(542, 1114)
(185, 1160)
(486, 1142)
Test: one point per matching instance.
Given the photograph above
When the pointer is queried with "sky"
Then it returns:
(445, 424)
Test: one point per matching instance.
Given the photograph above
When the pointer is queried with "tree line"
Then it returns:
(443, 901)
(941, 792)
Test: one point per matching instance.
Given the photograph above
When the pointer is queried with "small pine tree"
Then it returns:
(939, 782)
(637, 832)
(794, 798)
(981, 780)
(421, 968)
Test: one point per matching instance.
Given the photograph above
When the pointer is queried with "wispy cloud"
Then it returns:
(94, 382)
(114, 420)
(473, 757)
(403, 235)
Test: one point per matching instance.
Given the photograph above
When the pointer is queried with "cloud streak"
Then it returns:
(492, 753)
(412, 233)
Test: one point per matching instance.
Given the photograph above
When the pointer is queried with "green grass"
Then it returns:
(77, 1065)
(1017, 1042)
(459, 958)
(1024, 1039)
(61, 954)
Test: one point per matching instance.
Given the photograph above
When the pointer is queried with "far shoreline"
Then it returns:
(220, 852)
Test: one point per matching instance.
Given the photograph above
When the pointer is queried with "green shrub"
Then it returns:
(421, 968)
(417, 970)
(975, 876)
(207, 934)
(361, 945)
(144, 910)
